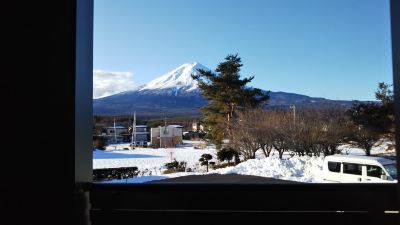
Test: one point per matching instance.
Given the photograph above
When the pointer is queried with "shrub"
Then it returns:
(99, 143)
(114, 173)
(175, 166)
(204, 160)
(226, 154)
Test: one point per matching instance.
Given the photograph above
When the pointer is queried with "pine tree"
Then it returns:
(204, 160)
(226, 92)
(378, 117)
(226, 154)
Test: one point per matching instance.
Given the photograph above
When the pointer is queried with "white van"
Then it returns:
(355, 169)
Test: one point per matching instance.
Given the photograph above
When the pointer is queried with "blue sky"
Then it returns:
(337, 49)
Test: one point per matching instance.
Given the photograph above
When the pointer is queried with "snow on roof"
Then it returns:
(359, 159)
(176, 126)
(168, 126)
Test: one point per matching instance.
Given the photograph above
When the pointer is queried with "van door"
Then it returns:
(352, 173)
(373, 173)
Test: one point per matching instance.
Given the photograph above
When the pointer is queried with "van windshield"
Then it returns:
(392, 170)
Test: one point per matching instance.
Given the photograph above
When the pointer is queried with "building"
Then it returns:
(197, 127)
(142, 135)
(191, 135)
(114, 134)
(166, 137)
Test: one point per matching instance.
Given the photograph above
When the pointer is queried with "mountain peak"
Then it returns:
(179, 78)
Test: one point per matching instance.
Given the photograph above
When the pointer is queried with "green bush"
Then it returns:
(204, 160)
(226, 154)
(175, 166)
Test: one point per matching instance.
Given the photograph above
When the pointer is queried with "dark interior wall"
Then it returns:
(37, 104)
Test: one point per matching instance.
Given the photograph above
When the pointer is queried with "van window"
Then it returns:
(334, 167)
(374, 171)
(351, 168)
(392, 170)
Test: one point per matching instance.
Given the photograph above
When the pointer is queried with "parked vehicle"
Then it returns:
(355, 169)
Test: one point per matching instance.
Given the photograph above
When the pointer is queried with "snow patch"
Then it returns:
(302, 169)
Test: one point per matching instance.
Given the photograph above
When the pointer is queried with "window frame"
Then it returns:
(356, 164)
(117, 199)
(382, 171)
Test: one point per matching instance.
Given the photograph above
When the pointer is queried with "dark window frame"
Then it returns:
(130, 201)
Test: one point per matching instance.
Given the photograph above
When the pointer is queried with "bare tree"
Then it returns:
(267, 124)
(365, 139)
(282, 132)
(310, 132)
(244, 137)
(337, 128)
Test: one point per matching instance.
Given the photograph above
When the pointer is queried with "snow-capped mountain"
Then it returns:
(176, 94)
(179, 78)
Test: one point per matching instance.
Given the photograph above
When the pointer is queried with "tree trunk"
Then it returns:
(254, 154)
(265, 153)
(280, 154)
(237, 159)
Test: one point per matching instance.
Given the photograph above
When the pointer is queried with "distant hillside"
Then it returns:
(176, 94)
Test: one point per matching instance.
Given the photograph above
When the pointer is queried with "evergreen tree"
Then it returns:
(226, 154)
(377, 117)
(226, 92)
(204, 160)
(384, 94)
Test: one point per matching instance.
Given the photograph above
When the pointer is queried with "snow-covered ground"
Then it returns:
(382, 147)
(149, 158)
(151, 162)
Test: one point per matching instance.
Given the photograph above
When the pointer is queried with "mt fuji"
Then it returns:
(177, 94)
(178, 79)
(172, 94)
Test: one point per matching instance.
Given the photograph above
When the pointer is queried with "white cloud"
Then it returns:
(107, 83)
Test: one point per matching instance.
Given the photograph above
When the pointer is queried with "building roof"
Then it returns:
(176, 126)
(141, 132)
(116, 127)
(168, 126)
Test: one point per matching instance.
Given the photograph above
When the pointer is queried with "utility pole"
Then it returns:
(115, 132)
(293, 107)
(133, 137)
(165, 132)
(134, 128)
(160, 136)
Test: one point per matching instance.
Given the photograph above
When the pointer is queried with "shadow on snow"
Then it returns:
(112, 155)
